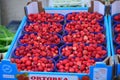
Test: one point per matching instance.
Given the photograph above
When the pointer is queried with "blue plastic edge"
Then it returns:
(14, 71)
(111, 38)
(117, 65)
(101, 65)
(66, 8)
(6, 59)
(118, 70)
(15, 37)
(107, 34)
(110, 33)
(58, 73)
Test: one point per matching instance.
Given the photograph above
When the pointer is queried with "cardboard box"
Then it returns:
(105, 69)
(36, 7)
(114, 9)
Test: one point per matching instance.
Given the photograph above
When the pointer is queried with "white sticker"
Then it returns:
(51, 77)
(32, 8)
(115, 7)
(87, 3)
(100, 74)
(99, 7)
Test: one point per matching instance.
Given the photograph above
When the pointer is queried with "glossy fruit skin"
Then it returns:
(22, 77)
(74, 65)
(28, 64)
(90, 51)
(118, 51)
(85, 78)
(78, 58)
(117, 39)
(45, 17)
(84, 37)
(43, 27)
(117, 18)
(117, 28)
(37, 51)
(84, 16)
(77, 26)
(44, 38)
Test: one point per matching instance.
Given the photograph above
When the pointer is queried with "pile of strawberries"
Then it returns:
(46, 17)
(38, 45)
(116, 18)
(34, 39)
(73, 47)
(84, 39)
(34, 64)
(44, 27)
(84, 16)
(116, 23)
(82, 50)
(75, 65)
(36, 51)
(76, 26)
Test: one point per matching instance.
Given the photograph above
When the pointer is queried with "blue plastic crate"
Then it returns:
(113, 45)
(66, 10)
(9, 70)
(115, 9)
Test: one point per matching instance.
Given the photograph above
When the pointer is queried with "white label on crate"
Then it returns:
(115, 7)
(32, 8)
(100, 74)
(87, 3)
(51, 77)
(99, 7)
